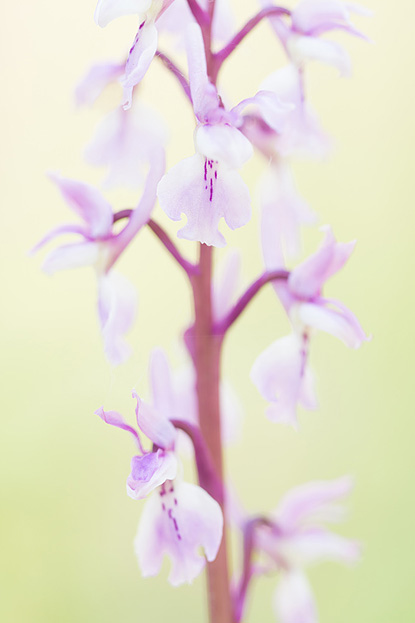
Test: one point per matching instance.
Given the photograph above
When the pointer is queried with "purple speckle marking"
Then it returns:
(210, 176)
(166, 489)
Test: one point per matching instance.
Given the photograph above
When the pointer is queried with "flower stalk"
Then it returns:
(207, 351)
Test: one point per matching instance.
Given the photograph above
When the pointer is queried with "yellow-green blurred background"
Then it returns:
(66, 523)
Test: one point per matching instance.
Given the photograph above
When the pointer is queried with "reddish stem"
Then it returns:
(171, 247)
(199, 14)
(164, 239)
(247, 571)
(206, 351)
(223, 54)
(208, 478)
(176, 72)
(277, 275)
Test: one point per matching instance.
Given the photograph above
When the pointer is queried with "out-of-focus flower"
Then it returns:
(296, 537)
(280, 372)
(145, 43)
(309, 20)
(97, 78)
(99, 246)
(281, 375)
(283, 210)
(126, 142)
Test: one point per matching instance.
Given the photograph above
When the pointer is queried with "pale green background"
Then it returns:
(66, 522)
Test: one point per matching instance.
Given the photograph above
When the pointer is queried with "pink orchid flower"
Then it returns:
(283, 209)
(99, 246)
(280, 372)
(126, 142)
(145, 43)
(206, 187)
(179, 517)
(297, 537)
(309, 20)
(96, 79)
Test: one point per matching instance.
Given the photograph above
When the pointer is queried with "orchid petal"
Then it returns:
(161, 383)
(71, 256)
(97, 78)
(108, 10)
(155, 425)
(340, 323)
(117, 304)
(303, 503)
(205, 192)
(88, 202)
(204, 95)
(139, 59)
(126, 142)
(224, 144)
(293, 599)
(232, 412)
(314, 49)
(149, 472)
(307, 279)
(283, 213)
(176, 521)
(314, 17)
(116, 419)
(223, 25)
(279, 375)
(60, 231)
(310, 14)
(301, 133)
(272, 110)
(316, 546)
(225, 284)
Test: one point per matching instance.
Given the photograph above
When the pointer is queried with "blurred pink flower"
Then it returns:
(280, 372)
(296, 537)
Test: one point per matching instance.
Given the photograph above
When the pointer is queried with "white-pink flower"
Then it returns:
(99, 246)
(309, 20)
(207, 186)
(145, 42)
(296, 536)
(280, 372)
(179, 518)
(126, 143)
